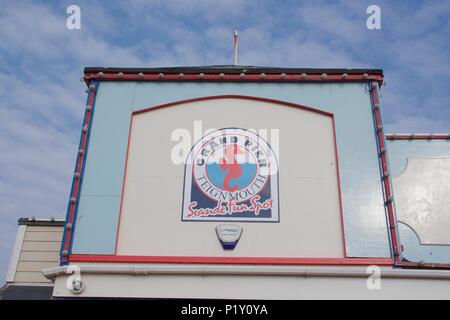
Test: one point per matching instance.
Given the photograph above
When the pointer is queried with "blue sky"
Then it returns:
(41, 61)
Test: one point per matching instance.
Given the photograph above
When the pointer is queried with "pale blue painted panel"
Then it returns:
(97, 215)
(362, 195)
(399, 151)
(415, 252)
(96, 223)
(312, 95)
(365, 219)
(108, 140)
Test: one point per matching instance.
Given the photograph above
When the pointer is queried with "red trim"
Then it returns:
(418, 136)
(231, 260)
(233, 96)
(79, 166)
(240, 260)
(341, 209)
(386, 175)
(331, 77)
(123, 185)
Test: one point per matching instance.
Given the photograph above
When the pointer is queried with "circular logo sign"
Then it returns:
(231, 164)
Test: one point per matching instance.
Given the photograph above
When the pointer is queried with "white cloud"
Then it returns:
(41, 110)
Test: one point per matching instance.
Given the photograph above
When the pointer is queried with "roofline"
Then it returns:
(230, 69)
(418, 136)
(50, 222)
(232, 73)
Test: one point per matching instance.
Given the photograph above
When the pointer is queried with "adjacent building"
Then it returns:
(36, 248)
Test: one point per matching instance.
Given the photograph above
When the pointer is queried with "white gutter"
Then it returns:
(210, 270)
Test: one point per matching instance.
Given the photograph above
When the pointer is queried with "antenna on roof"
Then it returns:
(235, 47)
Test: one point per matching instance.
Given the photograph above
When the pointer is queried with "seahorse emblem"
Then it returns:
(231, 166)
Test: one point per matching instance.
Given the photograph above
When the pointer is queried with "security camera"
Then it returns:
(77, 286)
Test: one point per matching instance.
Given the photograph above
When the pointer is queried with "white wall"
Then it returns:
(310, 217)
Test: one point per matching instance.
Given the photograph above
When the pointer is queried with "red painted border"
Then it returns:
(233, 96)
(123, 185)
(208, 77)
(79, 165)
(418, 136)
(386, 174)
(229, 260)
(341, 208)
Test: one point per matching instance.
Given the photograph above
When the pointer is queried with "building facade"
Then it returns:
(251, 182)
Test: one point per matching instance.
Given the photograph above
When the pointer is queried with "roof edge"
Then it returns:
(50, 222)
(418, 136)
(232, 74)
(230, 69)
